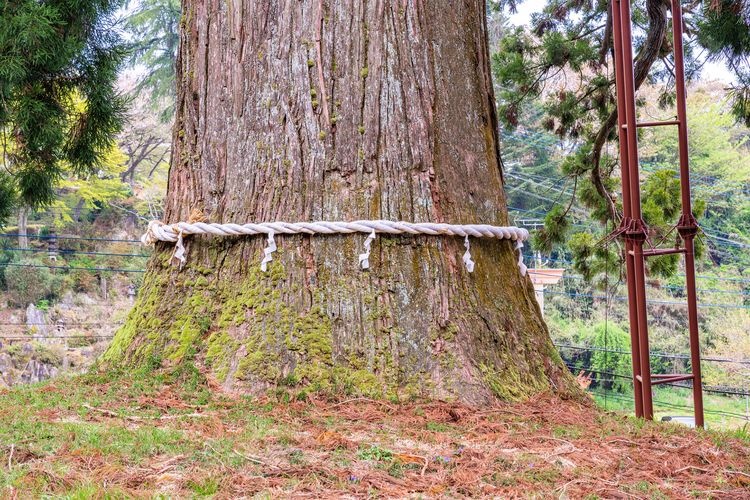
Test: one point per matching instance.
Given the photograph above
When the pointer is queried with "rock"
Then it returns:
(67, 301)
(36, 322)
(37, 371)
(6, 363)
(6, 369)
(83, 300)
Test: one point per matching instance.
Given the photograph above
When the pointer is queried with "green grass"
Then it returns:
(205, 487)
(375, 453)
(116, 436)
(66, 419)
(566, 432)
(676, 396)
(437, 427)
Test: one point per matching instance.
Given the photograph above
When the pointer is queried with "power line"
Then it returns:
(664, 403)
(59, 323)
(704, 290)
(623, 397)
(65, 251)
(556, 185)
(541, 271)
(649, 301)
(544, 214)
(655, 354)
(69, 268)
(710, 389)
(81, 238)
(724, 241)
(104, 337)
(737, 279)
(575, 209)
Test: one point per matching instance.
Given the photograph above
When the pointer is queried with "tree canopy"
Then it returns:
(59, 106)
(154, 27)
(562, 65)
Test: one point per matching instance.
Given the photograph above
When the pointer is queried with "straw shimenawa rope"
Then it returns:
(173, 233)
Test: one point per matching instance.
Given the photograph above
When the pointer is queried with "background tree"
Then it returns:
(720, 169)
(564, 60)
(90, 191)
(154, 27)
(724, 32)
(59, 109)
(339, 110)
(145, 142)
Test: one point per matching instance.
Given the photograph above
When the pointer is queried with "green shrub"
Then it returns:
(29, 285)
(51, 355)
(83, 281)
(612, 365)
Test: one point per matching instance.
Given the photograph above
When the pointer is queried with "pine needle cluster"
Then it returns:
(59, 107)
(562, 64)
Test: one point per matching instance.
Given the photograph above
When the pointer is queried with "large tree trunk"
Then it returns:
(340, 110)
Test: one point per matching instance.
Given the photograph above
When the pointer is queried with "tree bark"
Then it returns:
(340, 110)
(23, 219)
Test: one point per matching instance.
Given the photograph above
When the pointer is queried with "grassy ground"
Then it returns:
(721, 412)
(177, 435)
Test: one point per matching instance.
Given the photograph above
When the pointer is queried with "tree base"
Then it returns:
(256, 331)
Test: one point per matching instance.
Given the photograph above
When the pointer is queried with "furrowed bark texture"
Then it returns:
(341, 110)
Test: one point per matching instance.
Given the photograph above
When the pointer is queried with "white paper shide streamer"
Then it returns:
(267, 257)
(364, 258)
(467, 256)
(173, 233)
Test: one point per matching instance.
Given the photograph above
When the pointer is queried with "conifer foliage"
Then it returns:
(59, 107)
(564, 61)
(154, 25)
(725, 33)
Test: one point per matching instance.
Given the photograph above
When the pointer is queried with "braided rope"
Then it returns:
(173, 233)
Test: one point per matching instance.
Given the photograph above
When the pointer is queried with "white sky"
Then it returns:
(527, 7)
(711, 71)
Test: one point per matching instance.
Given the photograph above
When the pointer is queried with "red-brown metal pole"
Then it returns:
(637, 230)
(682, 139)
(626, 208)
(643, 344)
(687, 226)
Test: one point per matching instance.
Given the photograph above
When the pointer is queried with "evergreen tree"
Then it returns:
(725, 33)
(564, 60)
(531, 156)
(299, 111)
(155, 28)
(55, 55)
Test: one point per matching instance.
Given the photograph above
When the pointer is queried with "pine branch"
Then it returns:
(647, 56)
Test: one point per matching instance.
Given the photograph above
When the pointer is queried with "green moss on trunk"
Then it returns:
(249, 331)
(242, 329)
(414, 140)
